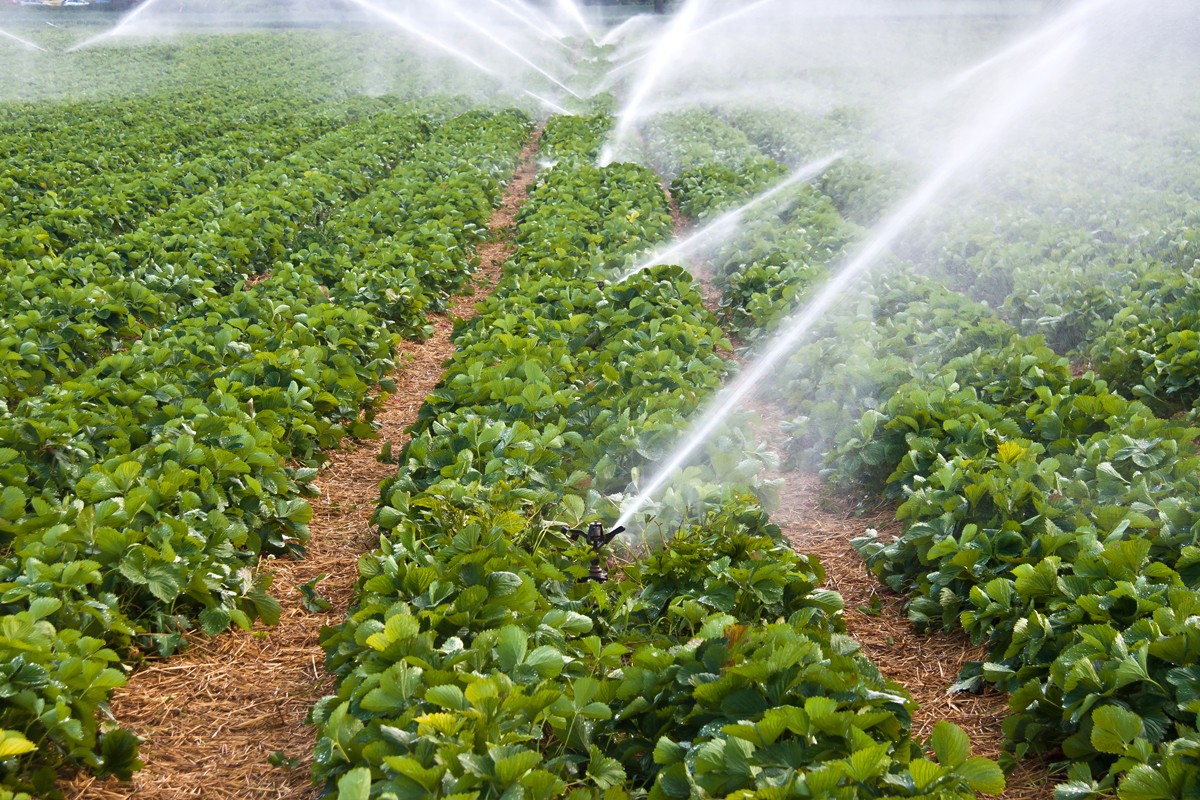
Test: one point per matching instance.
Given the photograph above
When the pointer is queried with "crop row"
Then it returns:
(189, 96)
(477, 662)
(780, 250)
(53, 206)
(138, 496)
(63, 313)
(296, 66)
(861, 186)
(1044, 513)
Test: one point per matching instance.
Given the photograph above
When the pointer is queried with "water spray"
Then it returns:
(508, 48)
(997, 118)
(123, 23)
(1064, 23)
(729, 218)
(574, 12)
(664, 53)
(550, 104)
(24, 42)
(705, 27)
(420, 33)
(553, 29)
(533, 25)
(617, 32)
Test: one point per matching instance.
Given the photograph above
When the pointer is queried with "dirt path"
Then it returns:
(213, 717)
(816, 521)
(700, 269)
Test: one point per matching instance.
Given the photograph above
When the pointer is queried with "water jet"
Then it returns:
(531, 24)
(422, 34)
(123, 23)
(24, 42)
(577, 15)
(983, 134)
(508, 48)
(664, 53)
(730, 218)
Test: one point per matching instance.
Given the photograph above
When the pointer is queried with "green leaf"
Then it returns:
(96, 486)
(215, 620)
(119, 754)
(511, 647)
(355, 784)
(503, 584)
(313, 602)
(389, 517)
(925, 772)
(512, 763)
(125, 475)
(983, 774)
(545, 661)
(1114, 729)
(865, 764)
(950, 743)
(447, 696)
(42, 607)
(12, 504)
(667, 752)
(1145, 783)
(604, 771)
(14, 744)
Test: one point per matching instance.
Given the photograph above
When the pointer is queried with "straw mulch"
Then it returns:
(700, 268)
(213, 717)
(816, 522)
(926, 664)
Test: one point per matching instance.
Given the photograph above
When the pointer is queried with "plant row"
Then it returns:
(52, 206)
(862, 186)
(64, 313)
(779, 250)
(138, 496)
(179, 98)
(1045, 512)
(1053, 520)
(476, 662)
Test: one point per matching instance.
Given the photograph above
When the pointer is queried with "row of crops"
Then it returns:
(1048, 512)
(479, 662)
(174, 371)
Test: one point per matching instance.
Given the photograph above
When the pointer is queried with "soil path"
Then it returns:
(215, 717)
(814, 521)
(700, 269)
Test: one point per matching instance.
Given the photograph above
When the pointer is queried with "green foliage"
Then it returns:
(1052, 520)
(476, 662)
(781, 250)
(1048, 513)
(172, 380)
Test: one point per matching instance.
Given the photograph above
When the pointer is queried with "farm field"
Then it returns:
(763, 400)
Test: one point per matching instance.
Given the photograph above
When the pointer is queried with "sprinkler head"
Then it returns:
(597, 539)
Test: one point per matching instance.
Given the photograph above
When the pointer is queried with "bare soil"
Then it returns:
(817, 521)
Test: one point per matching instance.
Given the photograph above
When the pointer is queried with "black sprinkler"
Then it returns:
(597, 539)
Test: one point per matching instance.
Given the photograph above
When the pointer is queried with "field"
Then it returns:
(864, 339)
